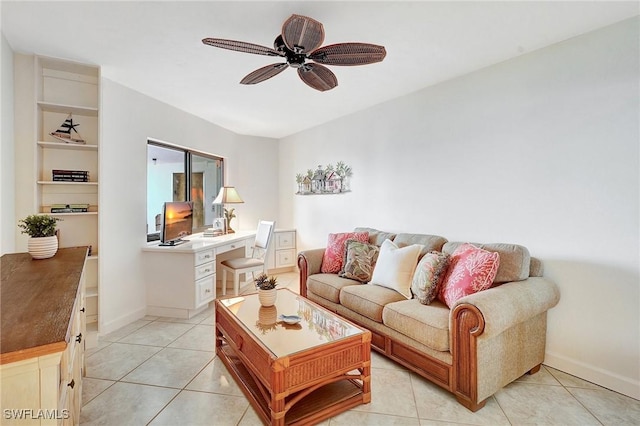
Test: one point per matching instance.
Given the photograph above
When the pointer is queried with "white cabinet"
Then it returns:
(64, 88)
(178, 284)
(41, 372)
(282, 251)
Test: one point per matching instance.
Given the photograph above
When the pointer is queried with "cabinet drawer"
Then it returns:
(285, 240)
(231, 246)
(285, 258)
(205, 256)
(205, 270)
(205, 290)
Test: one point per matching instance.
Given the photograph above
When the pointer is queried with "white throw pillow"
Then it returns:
(395, 267)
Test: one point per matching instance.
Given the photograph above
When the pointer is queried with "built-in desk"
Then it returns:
(181, 280)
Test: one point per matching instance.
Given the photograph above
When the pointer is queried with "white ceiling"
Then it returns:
(155, 47)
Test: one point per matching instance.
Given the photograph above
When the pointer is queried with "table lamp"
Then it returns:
(228, 195)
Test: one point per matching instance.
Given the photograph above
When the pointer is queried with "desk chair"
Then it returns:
(257, 261)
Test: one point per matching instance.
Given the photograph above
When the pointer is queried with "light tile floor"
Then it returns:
(163, 371)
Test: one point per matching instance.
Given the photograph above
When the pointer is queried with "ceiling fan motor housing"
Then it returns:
(294, 58)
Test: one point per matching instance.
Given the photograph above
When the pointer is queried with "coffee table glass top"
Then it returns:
(317, 326)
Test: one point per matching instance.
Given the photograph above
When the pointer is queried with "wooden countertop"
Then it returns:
(36, 301)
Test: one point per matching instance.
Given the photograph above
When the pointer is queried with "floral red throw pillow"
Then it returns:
(334, 253)
(471, 269)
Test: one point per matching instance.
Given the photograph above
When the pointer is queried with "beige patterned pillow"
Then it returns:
(359, 260)
(429, 275)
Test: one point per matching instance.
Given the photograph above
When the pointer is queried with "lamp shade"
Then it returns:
(228, 195)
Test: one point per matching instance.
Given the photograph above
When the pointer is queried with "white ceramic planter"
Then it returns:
(267, 297)
(42, 247)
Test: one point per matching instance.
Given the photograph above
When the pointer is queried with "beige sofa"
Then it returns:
(487, 340)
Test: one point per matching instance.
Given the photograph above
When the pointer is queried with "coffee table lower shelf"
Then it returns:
(324, 402)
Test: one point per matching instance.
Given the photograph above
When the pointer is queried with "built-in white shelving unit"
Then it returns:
(63, 88)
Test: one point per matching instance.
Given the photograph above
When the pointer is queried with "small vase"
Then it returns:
(42, 247)
(267, 297)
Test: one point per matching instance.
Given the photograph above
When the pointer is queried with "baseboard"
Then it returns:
(593, 374)
(111, 326)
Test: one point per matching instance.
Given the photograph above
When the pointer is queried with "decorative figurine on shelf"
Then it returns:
(64, 132)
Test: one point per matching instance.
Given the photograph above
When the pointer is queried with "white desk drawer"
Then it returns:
(205, 290)
(205, 256)
(231, 246)
(205, 270)
(285, 240)
(285, 258)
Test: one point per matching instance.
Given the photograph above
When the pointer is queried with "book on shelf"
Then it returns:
(70, 172)
(70, 175)
(70, 179)
(69, 208)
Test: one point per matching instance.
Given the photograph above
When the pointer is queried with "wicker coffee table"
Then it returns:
(293, 374)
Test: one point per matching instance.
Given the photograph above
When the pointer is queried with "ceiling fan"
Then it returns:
(299, 42)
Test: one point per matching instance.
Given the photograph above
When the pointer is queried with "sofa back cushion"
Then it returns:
(376, 236)
(536, 268)
(430, 242)
(515, 260)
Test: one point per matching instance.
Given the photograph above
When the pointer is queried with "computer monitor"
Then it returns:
(177, 222)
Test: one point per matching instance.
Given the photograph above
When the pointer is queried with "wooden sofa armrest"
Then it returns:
(511, 303)
(309, 263)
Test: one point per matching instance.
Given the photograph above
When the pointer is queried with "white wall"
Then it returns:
(8, 224)
(541, 151)
(128, 120)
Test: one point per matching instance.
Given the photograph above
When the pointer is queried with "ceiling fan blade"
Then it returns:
(264, 73)
(241, 46)
(318, 77)
(349, 54)
(302, 34)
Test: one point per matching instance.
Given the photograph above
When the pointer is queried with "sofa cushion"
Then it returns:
(428, 325)
(368, 300)
(430, 242)
(515, 260)
(334, 253)
(428, 276)
(359, 261)
(395, 267)
(536, 268)
(328, 286)
(376, 236)
(471, 269)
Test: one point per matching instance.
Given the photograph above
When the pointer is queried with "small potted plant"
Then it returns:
(43, 243)
(267, 292)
